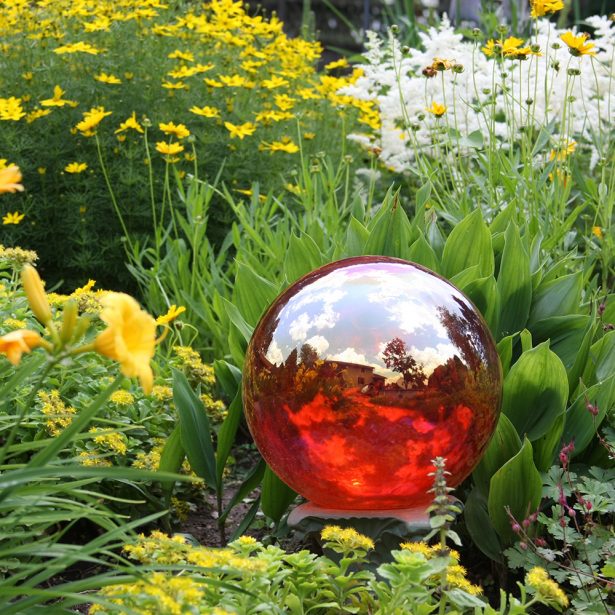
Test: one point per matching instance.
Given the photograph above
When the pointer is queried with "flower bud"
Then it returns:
(69, 320)
(35, 292)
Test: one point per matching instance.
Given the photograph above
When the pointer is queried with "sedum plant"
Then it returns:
(247, 577)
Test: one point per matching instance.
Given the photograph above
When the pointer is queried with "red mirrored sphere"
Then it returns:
(360, 374)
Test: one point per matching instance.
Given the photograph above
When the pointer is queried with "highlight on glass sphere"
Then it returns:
(360, 374)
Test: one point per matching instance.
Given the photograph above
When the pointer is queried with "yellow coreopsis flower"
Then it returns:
(577, 45)
(76, 167)
(240, 131)
(11, 109)
(56, 100)
(178, 130)
(13, 218)
(171, 315)
(540, 8)
(110, 79)
(274, 82)
(597, 232)
(37, 114)
(169, 149)
(437, 109)
(79, 47)
(130, 337)
(15, 343)
(205, 111)
(10, 178)
(130, 123)
(279, 146)
(90, 121)
(186, 56)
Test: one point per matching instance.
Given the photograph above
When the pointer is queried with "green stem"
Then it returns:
(112, 194)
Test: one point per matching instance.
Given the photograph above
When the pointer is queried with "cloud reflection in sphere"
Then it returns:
(361, 373)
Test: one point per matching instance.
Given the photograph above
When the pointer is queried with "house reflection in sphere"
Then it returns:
(364, 371)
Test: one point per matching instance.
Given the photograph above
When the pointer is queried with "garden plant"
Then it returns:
(192, 161)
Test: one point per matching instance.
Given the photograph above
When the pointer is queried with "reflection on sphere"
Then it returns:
(364, 371)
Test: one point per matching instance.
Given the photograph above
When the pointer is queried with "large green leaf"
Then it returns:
(601, 361)
(581, 425)
(171, 459)
(514, 284)
(422, 253)
(468, 244)
(196, 437)
(302, 257)
(483, 293)
(559, 297)
(546, 448)
(535, 392)
(505, 350)
(276, 495)
(252, 293)
(391, 232)
(479, 525)
(228, 376)
(516, 486)
(356, 237)
(226, 436)
(565, 335)
(504, 445)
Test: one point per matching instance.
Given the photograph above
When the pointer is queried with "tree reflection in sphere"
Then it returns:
(360, 374)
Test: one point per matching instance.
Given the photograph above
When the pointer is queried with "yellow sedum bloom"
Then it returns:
(10, 178)
(547, 590)
(76, 167)
(130, 337)
(345, 539)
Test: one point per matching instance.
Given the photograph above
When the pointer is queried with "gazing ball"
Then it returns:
(360, 374)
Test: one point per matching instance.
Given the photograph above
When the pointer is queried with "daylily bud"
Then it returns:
(69, 321)
(35, 292)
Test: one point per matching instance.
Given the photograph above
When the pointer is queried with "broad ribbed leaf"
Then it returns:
(601, 361)
(195, 430)
(302, 257)
(581, 426)
(479, 525)
(171, 459)
(483, 293)
(356, 237)
(276, 495)
(422, 253)
(226, 435)
(545, 448)
(535, 392)
(391, 233)
(559, 297)
(517, 486)
(468, 244)
(252, 294)
(565, 335)
(514, 284)
(504, 445)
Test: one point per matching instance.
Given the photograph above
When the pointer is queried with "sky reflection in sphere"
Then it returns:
(360, 374)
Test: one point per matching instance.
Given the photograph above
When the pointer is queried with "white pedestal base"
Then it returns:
(415, 518)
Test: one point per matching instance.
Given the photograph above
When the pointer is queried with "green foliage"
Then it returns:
(212, 70)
